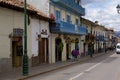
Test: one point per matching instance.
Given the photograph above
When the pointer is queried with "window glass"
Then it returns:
(118, 46)
(68, 18)
(58, 15)
(76, 21)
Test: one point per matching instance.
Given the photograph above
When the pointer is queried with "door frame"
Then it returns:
(43, 49)
(16, 57)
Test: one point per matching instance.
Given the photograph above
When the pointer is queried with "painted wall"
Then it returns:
(9, 19)
(63, 14)
(54, 36)
(37, 26)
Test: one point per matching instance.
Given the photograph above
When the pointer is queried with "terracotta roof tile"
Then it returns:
(19, 4)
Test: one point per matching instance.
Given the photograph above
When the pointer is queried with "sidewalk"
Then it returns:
(44, 68)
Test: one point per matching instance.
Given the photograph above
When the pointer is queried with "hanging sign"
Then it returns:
(44, 34)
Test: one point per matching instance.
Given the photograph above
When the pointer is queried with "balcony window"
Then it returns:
(68, 18)
(78, 2)
(73, 6)
(76, 21)
(75, 1)
(58, 15)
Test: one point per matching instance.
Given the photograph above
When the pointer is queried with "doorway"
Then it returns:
(84, 49)
(17, 51)
(68, 51)
(43, 50)
(58, 53)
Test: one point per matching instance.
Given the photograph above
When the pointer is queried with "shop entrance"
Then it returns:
(17, 51)
(58, 47)
(84, 49)
(68, 51)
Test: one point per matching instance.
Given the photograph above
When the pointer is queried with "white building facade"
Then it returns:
(12, 36)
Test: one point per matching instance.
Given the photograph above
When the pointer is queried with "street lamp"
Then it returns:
(118, 8)
(25, 56)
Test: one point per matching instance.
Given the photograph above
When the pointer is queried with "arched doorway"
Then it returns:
(68, 48)
(58, 49)
(76, 44)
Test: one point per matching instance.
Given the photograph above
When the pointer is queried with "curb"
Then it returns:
(61, 67)
(64, 66)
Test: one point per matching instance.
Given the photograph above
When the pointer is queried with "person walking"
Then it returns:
(75, 54)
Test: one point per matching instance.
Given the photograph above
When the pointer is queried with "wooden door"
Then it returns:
(68, 51)
(16, 57)
(47, 52)
(42, 51)
(84, 50)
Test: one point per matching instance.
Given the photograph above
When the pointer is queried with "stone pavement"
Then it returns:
(44, 68)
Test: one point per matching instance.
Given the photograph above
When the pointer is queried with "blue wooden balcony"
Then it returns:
(97, 38)
(100, 38)
(82, 30)
(70, 5)
(67, 28)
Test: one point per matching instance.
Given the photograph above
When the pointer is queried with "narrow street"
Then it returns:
(105, 67)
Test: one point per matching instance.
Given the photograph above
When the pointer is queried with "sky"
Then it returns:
(103, 11)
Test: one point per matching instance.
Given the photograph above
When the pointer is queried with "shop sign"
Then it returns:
(44, 33)
(44, 36)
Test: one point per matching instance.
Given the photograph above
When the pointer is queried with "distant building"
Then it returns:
(111, 42)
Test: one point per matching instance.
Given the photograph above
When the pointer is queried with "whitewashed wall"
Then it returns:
(37, 26)
(9, 19)
(35, 32)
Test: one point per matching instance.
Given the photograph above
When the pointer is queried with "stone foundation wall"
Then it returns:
(35, 61)
(6, 65)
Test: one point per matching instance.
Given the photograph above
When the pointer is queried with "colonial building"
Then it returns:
(67, 33)
(43, 6)
(12, 35)
(111, 38)
(100, 32)
(97, 35)
(90, 36)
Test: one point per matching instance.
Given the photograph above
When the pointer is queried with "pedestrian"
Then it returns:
(73, 55)
(77, 53)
